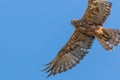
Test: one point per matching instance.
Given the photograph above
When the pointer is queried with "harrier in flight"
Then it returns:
(86, 30)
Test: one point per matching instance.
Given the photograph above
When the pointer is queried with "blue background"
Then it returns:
(33, 31)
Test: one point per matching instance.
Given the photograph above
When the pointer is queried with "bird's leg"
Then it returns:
(102, 33)
(99, 30)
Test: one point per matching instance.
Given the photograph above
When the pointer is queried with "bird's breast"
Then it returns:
(89, 29)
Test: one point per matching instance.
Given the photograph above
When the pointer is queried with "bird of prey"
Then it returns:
(86, 30)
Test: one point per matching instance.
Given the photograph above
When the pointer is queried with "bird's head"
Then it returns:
(76, 23)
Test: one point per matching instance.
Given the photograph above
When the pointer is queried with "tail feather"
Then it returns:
(109, 38)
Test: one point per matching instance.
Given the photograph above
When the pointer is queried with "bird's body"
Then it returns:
(86, 30)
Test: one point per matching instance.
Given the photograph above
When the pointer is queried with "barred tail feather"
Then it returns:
(109, 38)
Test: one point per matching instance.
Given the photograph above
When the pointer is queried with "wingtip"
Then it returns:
(47, 67)
(49, 75)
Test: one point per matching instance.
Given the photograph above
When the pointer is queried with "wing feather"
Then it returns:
(97, 12)
(71, 54)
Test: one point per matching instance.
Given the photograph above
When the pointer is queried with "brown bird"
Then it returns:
(86, 30)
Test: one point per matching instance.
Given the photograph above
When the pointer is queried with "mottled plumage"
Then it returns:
(86, 30)
(97, 11)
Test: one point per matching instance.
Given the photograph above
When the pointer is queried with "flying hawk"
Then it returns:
(86, 30)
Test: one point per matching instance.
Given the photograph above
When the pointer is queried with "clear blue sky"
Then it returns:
(33, 31)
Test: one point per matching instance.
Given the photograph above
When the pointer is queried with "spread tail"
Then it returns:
(109, 38)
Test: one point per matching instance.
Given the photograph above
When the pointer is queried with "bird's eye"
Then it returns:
(73, 22)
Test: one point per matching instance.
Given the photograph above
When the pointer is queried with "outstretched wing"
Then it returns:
(97, 12)
(71, 53)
